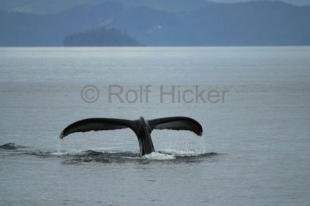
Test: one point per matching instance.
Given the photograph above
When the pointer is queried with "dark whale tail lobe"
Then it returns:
(142, 128)
(177, 123)
(96, 124)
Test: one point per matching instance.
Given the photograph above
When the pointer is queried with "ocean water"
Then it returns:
(253, 104)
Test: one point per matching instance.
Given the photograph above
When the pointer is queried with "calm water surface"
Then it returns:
(254, 151)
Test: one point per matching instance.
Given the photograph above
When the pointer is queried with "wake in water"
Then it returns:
(10, 149)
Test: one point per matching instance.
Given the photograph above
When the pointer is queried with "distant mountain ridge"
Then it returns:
(57, 6)
(202, 24)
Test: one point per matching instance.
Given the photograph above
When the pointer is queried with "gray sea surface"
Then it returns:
(255, 113)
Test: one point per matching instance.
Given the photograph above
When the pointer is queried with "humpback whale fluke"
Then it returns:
(141, 127)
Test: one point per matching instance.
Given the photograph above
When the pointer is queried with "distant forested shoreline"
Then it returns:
(156, 23)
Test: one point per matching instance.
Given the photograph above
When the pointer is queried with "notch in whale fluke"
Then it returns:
(141, 127)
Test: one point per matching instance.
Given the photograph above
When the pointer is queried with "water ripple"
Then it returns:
(11, 149)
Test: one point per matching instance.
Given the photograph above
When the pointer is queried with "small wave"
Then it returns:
(98, 156)
(106, 156)
(10, 146)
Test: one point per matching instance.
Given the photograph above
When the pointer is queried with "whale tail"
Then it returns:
(97, 124)
(141, 128)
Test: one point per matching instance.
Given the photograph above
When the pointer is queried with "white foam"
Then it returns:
(59, 153)
(159, 156)
(181, 152)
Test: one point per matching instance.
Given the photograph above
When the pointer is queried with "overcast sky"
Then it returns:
(299, 2)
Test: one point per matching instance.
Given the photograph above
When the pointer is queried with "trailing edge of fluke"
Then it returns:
(141, 127)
